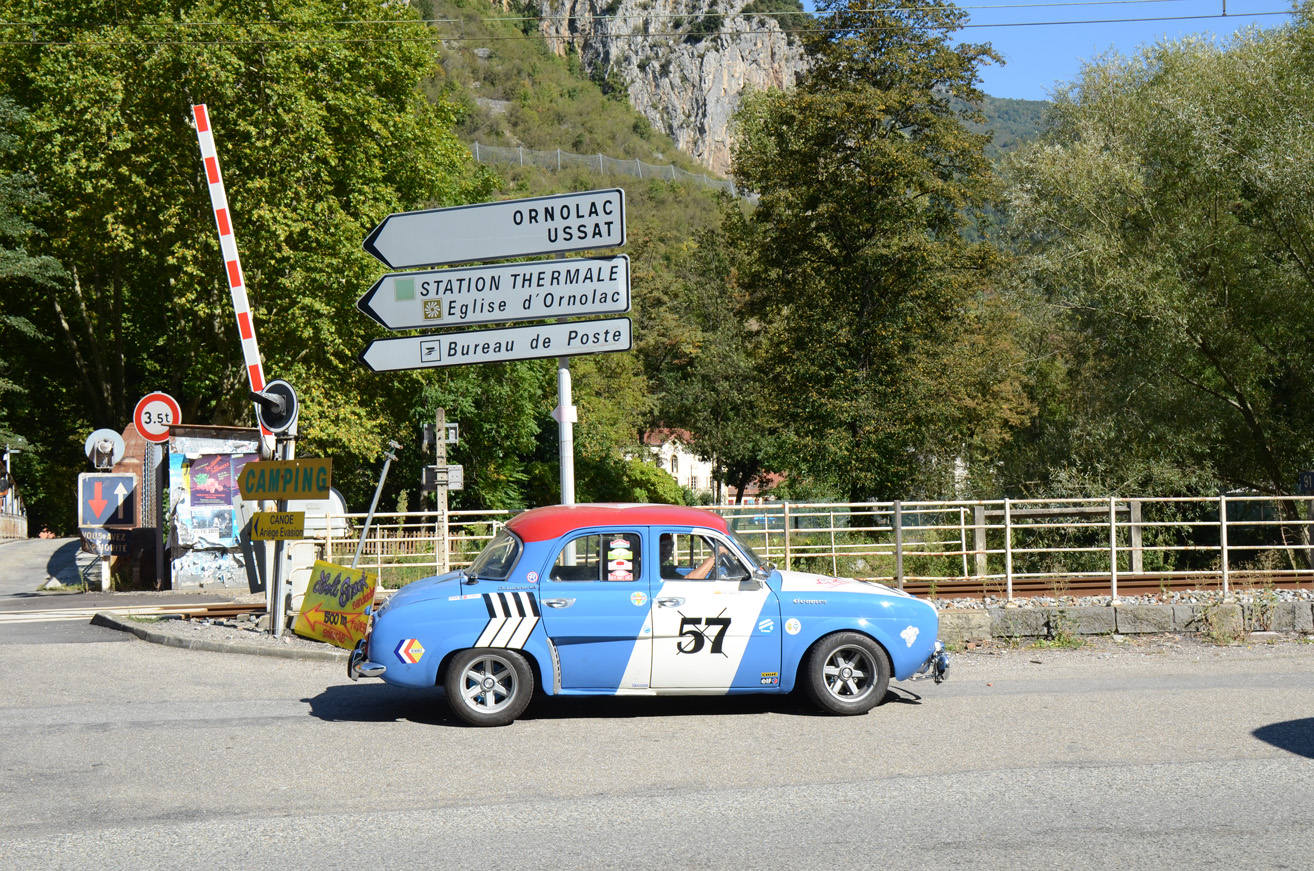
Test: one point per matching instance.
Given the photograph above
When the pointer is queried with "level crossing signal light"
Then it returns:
(276, 406)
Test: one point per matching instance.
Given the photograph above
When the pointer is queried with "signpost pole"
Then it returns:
(565, 415)
(440, 491)
(389, 456)
(278, 604)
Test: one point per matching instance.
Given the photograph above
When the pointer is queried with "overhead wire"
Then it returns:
(35, 41)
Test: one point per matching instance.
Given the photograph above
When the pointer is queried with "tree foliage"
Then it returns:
(1166, 220)
(321, 130)
(865, 287)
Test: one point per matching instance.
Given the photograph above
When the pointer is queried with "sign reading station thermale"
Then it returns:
(287, 479)
(470, 295)
(496, 231)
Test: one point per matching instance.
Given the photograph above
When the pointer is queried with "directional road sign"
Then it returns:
(470, 295)
(278, 525)
(496, 346)
(154, 414)
(496, 231)
(106, 500)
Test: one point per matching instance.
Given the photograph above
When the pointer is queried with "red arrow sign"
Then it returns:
(99, 502)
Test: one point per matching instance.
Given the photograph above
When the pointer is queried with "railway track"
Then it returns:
(1139, 585)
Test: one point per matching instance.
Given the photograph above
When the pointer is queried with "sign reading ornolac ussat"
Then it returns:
(496, 231)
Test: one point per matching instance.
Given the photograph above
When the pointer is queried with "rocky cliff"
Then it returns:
(684, 63)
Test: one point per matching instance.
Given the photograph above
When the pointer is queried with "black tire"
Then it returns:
(846, 673)
(488, 687)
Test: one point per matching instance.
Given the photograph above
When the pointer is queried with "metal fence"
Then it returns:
(1005, 547)
(599, 163)
(13, 512)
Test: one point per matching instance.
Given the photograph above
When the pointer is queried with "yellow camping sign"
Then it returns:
(333, 609)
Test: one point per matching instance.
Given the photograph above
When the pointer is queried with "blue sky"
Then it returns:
(1040, 55)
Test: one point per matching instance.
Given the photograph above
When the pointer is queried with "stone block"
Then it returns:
(1091, 620)
(1142, 619)
(1224, 620)
(1184, 618)
(1019, 622)
(1293, 617)
(957, 626)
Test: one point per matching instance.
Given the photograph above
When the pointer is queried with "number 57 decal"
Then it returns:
(695, 630)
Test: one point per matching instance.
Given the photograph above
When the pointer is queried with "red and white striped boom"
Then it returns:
(228, 246)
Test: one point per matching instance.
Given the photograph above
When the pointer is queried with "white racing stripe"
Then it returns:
(511, 618)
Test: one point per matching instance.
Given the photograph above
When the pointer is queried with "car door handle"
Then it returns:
(669, 601)
(558, 603)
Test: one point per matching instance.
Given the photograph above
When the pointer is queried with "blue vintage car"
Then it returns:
(642, 600)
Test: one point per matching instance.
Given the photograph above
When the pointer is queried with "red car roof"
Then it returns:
(554, 521)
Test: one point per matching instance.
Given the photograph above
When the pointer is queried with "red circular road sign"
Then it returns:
(155, 414)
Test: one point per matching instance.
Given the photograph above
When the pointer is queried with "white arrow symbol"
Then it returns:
(120, 491)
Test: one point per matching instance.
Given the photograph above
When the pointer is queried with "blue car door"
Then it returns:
(594, 599)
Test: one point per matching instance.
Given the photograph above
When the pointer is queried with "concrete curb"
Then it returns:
(957, 626)
(110, 620)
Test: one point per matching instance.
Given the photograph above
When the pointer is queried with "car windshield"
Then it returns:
(745, 549)
(498, 557)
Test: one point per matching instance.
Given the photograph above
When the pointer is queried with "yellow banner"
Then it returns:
(287, 479)
(278, 525)
(333, 609)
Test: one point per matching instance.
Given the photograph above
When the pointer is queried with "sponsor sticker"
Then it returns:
(532, 577)
(766, 626)
(409, 650)
(463, 598)
(620, 565)
(638, 598)
(910, 635)
(619, 542)
(770, 678)
(620, 553)
(792, 626)
(620, 576)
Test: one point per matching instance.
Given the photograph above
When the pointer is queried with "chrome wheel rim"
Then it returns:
(488, 684)
(850, 673)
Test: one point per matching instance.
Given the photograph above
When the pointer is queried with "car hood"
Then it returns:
(806, 582)
(441, 586)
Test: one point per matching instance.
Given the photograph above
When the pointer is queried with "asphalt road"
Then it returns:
(132, 755)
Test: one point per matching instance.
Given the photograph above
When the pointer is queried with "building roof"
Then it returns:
(554, 521)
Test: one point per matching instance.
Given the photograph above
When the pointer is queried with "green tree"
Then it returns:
(321, 130)
(866, 287)
(1166, 221)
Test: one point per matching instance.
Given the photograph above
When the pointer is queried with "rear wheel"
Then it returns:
(846, 673)
(487, 687)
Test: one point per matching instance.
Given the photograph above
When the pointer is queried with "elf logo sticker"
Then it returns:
(410, 650)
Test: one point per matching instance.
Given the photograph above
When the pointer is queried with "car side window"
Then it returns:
(599, 557)
(697, 557)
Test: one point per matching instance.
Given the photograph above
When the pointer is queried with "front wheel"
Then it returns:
(488, 687)
(846, 673)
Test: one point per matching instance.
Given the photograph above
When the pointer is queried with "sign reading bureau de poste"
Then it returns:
(465, 296)
(310, 478)
(499, 345)
(496, 231)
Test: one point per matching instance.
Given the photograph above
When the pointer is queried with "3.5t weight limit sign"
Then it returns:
(496, 231)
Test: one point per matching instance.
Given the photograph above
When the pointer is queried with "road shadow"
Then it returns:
(1294, 736)
(63, 563)
(381, 703)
